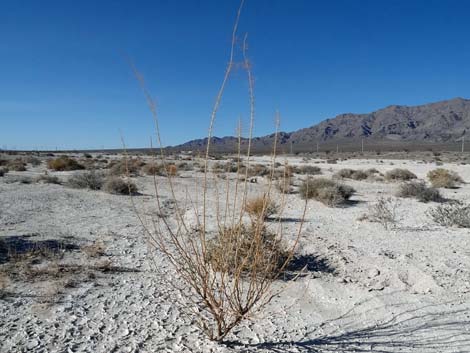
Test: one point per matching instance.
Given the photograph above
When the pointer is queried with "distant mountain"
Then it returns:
(434, 123)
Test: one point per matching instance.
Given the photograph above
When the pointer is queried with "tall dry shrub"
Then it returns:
(230, 270)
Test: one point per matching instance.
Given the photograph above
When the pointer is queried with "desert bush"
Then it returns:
(47, 179)
(171, 170)
(3, 171)
(284, 185)
(261, 207)
(119, 186)
(347, 173)
(399, 174)
(222, 296)
(64, 163)
(153, 169)
(86, 180)
(126, 166)
(16, 165)
(384, 211)
(258, 170)
(443, 178)
(31, 160)
(326, 191)
(247, 250)
(454, 214)
(308, 169)
(185, 166)
(419, 190)
(331, 161)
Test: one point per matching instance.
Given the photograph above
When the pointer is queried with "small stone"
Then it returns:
(373, 272)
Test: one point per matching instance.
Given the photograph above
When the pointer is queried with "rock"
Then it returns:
(373, 272)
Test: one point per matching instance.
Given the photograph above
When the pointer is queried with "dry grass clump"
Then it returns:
(384, 211)
(258, 170)
(399, 174)
(96, 249)
(285, 185)
(326, 191)
(171, 170)
(331, 161)
(419, 190)
(64, 163)
(32, 160)
(47, 179)
(247, 250)
(261, 207)
(3, 171)
(455, 214)
(153, 169)
(126, 166)
(443, 178)
(119, 186)
(87, 180)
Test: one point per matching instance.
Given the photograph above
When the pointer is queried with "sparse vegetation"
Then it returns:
(326, 191)
(419, 190)
(443, 178)
(351, 174)
(47, 179)
(126, 166)
(261, 207)
(119, 186)
(454, 214)
(3, 171)
(16, 165)
(399, 174)
(64, 163)
(384, 211)
(86, 180)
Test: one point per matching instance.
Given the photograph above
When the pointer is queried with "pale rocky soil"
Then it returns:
(368, 289)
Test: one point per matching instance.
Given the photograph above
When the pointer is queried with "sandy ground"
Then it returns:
(405, 289)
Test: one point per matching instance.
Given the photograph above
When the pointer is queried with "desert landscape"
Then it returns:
(78, 273)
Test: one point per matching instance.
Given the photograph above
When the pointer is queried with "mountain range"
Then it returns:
(440, 123)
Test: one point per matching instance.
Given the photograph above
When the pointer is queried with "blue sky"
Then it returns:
(64, 81)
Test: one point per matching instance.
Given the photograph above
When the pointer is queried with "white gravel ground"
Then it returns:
(405, 289)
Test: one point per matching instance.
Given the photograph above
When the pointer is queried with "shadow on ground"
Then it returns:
(18, 245)
(430, 328)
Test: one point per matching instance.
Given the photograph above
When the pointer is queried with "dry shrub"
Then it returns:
(419, 190)
(64, 163)
(308, 170)
(326, 191)
(171, 170)
(221, 296)
(119, 186)
(455, 214)
(399, 174)
(3, 171)
(185, 166)
(126, 166)
(443, 178)
(384, 211)
(47, 179)
(87, 180)
(258, 170)
(247, 250)
(153, 169)
(16, 165)
(32, 160)
(285, 185)
(351, 174)
(261, 207)
(96, 249)
(331, 161)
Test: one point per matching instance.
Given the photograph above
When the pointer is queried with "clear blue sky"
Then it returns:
(65, 83)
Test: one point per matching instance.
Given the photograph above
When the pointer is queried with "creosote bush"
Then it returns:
(16, 165)
(64, 163)
(119, 186)
(326, 191)
(351, 174)
(153, 169)
(399, 174)
(443, 178)
(86, 180)
(454, 214)
(419, 190)
(307, 170)
(261, 207)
